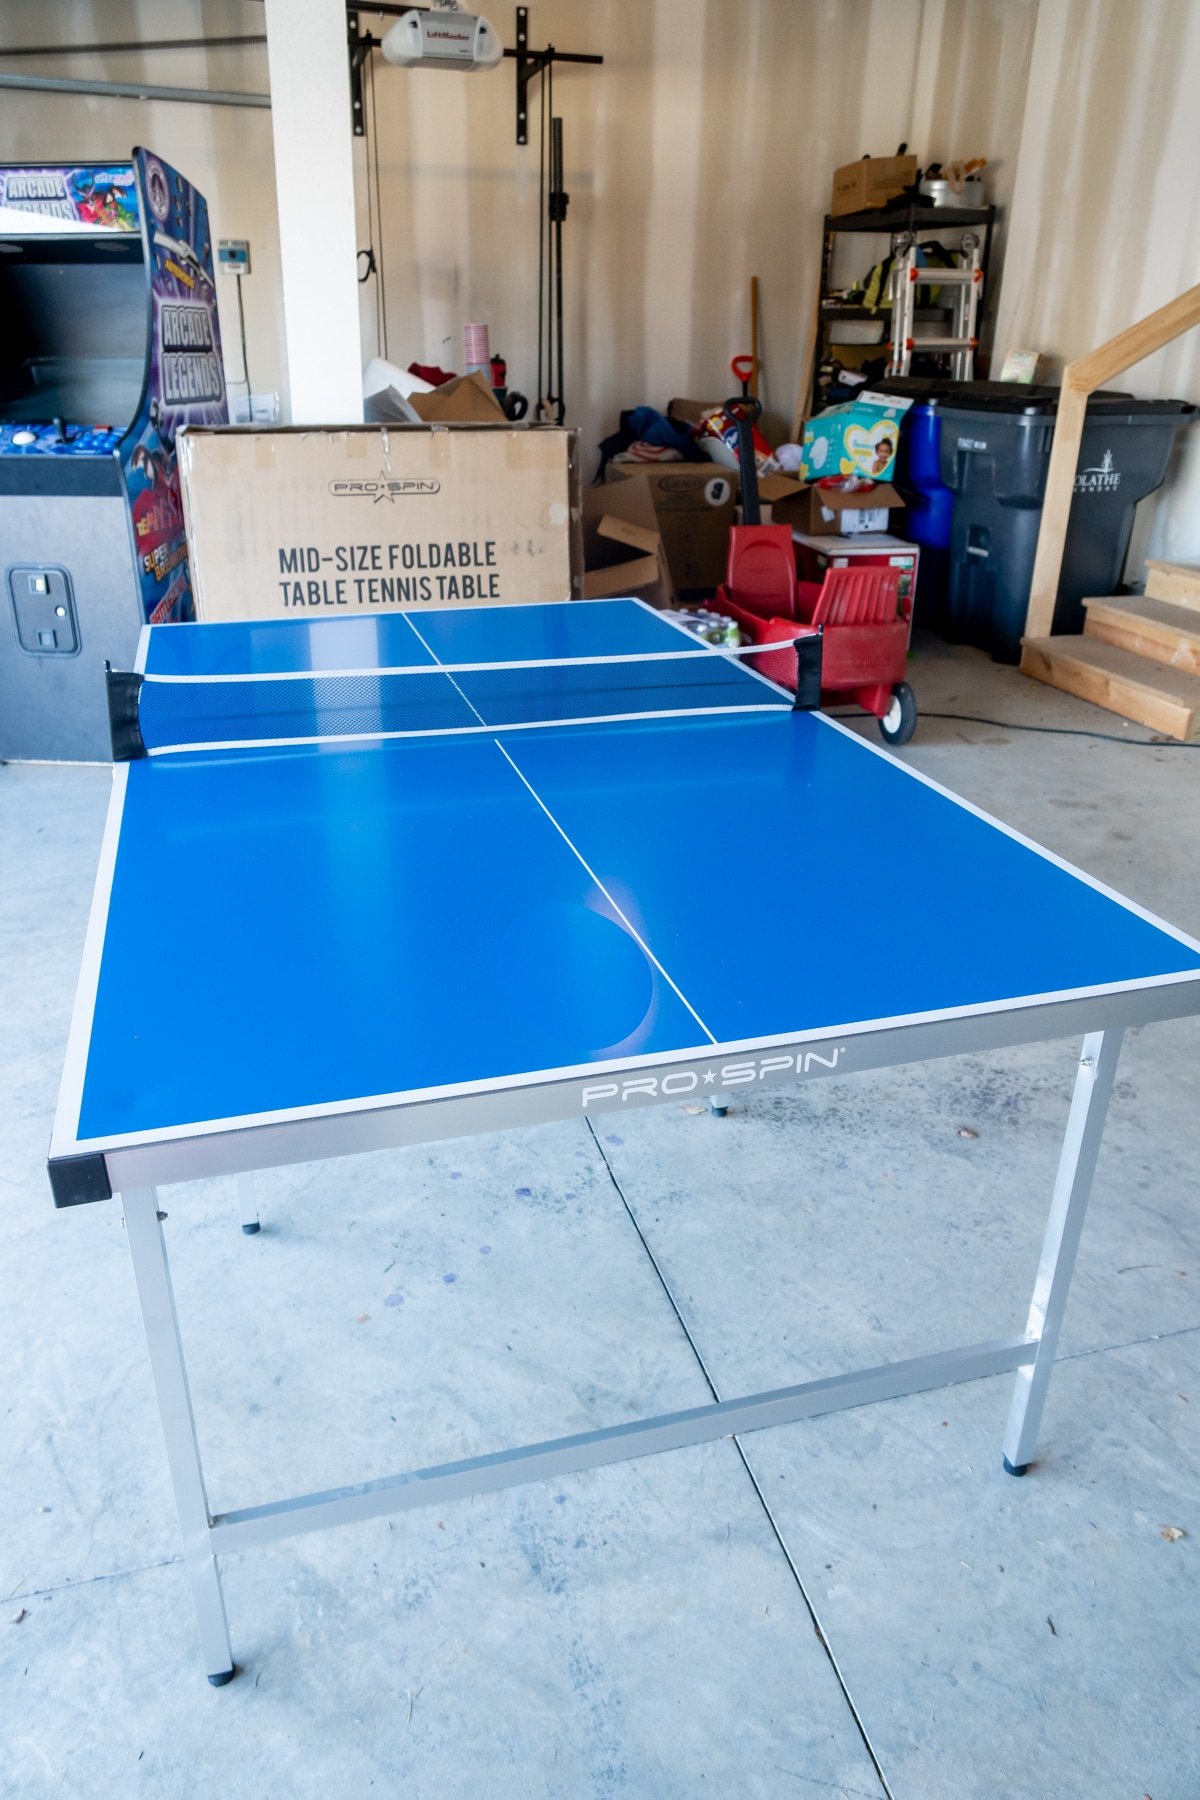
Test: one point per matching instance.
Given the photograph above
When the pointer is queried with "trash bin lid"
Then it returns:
(990, 396)
(1036, 401)
(1137, 409)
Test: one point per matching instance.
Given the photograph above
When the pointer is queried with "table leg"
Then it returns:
(1081, 1146)
(247, 1204)
(143, 1225)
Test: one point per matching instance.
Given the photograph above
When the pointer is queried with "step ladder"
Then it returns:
(967, 284)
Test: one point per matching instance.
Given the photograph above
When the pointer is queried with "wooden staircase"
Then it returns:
(1138, 655)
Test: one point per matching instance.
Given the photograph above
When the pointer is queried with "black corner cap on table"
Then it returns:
(808, 670)
(124, 690)
(78, 1180)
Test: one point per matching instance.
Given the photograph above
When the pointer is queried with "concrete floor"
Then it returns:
(863, 1605)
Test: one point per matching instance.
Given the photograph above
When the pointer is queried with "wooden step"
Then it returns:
(1152, 628)
(1176, 582)
(1164, 699)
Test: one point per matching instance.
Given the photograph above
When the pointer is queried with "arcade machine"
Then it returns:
(111, 344)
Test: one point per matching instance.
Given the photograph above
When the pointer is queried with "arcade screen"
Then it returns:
(74, 345)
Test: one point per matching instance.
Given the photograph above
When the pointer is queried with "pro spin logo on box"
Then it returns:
(677, 1082)
(384, 487)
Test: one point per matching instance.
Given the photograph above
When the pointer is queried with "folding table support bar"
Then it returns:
(1077, 1163)
(614, 1443)
(143, 1226)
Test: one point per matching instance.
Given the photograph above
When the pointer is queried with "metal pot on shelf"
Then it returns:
(940, 192)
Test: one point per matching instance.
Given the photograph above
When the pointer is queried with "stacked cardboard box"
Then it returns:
(623, 552)
(344, 522)
(870, 182)
(694, 506)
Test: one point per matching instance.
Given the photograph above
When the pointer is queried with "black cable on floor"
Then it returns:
(1108, 737)
(711, 1385)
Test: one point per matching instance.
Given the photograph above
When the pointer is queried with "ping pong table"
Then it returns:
(446, 871)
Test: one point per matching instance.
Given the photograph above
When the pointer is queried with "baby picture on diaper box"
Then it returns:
(860, 437)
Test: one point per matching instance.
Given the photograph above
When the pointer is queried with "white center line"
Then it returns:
(438, 665)
(634, 933)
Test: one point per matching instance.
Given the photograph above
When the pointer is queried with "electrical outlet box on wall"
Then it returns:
(254, 409)
(233, 256)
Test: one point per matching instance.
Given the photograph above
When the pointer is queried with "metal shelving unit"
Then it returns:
(898, 224)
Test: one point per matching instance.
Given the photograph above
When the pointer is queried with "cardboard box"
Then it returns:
(622, 547)
(878, 550)
(870, 182)
(305, 522)
(693, 504)
(860, 437)
(624, 558)
(467, 400)
(822, 511)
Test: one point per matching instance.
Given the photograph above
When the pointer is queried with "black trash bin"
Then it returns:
(930, 503)
(995, 453)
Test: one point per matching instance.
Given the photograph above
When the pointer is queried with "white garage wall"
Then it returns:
(700, 154)
(1105, 218)
(225, 151)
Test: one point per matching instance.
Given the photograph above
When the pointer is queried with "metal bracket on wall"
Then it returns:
(534, 62)
(361, 45)
(530, 63)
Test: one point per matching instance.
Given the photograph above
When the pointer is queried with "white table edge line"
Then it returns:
(397, 612)
(79, 1031)
(735, 1047)
(1018, 837)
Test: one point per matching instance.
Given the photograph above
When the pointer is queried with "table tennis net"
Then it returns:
(176, 713)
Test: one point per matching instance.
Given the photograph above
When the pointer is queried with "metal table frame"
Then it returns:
(1029, 1353)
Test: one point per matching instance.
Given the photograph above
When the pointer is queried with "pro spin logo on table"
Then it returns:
(677, 1082)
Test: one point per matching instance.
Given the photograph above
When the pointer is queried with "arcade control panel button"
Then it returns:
(58, 439)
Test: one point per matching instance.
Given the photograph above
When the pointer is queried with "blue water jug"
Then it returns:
(930, 508)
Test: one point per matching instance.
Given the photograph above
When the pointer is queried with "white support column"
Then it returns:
(314, 178)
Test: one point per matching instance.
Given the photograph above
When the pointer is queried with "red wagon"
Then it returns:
(866, 624)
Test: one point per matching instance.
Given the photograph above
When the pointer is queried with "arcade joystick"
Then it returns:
(60, 437)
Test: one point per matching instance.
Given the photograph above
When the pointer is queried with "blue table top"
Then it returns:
(432, 635)
(305, 927)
